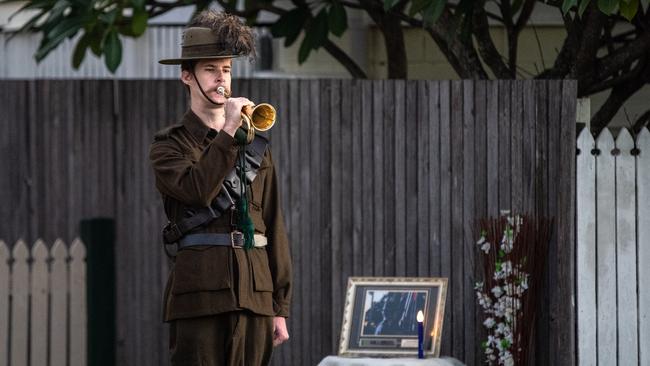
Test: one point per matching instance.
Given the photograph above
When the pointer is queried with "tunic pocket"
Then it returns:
(201, 269)
(261, 271)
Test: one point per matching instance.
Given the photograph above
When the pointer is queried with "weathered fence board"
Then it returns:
(59, 310)
(643, 240)
(586, 248)
(626, 251)
(612, 224)
(4, 303)
(377, 178)
(606, 234)
(78, 321)
(38, 305)
(19, 304)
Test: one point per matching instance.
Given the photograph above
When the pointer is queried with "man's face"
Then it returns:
(211, 73)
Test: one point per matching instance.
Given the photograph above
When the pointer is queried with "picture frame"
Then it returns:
(379, 317)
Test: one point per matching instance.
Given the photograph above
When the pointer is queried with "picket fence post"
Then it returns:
(43, 304)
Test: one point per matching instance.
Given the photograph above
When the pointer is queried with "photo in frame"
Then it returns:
(379, 318)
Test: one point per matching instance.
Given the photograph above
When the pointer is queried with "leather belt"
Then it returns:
(234, 239)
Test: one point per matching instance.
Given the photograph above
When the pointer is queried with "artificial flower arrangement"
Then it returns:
(514, 249)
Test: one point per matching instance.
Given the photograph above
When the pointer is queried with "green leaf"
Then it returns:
(138, 3)
(516, 6)
(305, 50)
(388, 4)
(338, 19)
(289, 25)
(645, 4)
(68, 27)
(417, 6)
(567, 5)
(433, 11)
(608, 6)
(97, 35)
(629, 9)
(139, 21)
(112, 51)
(80, 50)
(583, 7)
(109, 17)
(319, 29)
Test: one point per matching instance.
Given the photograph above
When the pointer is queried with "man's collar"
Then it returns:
(197, 128)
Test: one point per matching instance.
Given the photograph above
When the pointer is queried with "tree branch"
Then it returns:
(585, 64)
(613, 62)
(524, 16)
(641, 122)
(486, 47)
(564, 59)
(619, 95)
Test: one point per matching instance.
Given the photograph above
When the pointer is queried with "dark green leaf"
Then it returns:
(68, 27)
(629, 9)
(139, 22)
(109, 17)
(388, 4)
(567, 5)
(433, 11)
(417, 6)
(138, 4)
(319, 29)
(304, 51)
(607, 6)
(289, 25)
(583, 6)
(516, 6)
(338, 19)
(112, 51)
(80, 50)
(97, 39)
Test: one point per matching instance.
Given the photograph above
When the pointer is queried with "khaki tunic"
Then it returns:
(190, 161)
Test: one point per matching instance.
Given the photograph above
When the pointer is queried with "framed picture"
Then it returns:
(380, 313)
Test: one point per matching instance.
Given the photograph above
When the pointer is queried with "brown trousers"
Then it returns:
(238, 338)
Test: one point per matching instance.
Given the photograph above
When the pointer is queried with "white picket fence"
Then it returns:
(613, 249)
(43, 304)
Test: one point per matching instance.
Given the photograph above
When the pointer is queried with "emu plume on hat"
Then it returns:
(201, 43)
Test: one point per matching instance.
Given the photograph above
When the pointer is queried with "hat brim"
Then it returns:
(178, 61)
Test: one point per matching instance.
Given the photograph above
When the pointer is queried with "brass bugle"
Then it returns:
(261, 116)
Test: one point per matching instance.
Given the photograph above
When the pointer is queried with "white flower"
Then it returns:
(478, 285)
(481, 240)
(506, 359)
(497, 291)
(489, 322)
(485, 247)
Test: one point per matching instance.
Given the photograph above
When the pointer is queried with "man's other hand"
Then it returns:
(280, 332)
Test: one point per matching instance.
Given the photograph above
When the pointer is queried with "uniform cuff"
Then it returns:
(225, 141)
(281, 310)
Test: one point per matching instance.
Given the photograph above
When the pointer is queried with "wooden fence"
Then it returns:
(613, 248)
(43, 304)
(378, 178)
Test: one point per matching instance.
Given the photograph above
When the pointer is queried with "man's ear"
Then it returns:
(186, 77)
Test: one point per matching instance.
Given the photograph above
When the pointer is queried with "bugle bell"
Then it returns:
(260, 117)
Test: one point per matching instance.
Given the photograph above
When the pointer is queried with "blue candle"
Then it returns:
(420, 319)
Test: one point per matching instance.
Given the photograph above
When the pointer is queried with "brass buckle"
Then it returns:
(237, 239)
